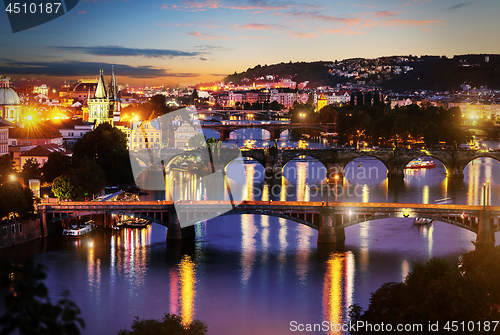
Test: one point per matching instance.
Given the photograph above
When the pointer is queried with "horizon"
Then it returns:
(181, 43)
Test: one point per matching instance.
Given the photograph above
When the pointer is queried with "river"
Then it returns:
(251, 274)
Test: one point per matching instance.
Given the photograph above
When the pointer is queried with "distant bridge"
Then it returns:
(330, 220)
(275, 129)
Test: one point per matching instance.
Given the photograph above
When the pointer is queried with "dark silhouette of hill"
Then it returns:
(429, 72)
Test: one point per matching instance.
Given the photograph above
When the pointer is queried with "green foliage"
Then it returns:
(197, 141)
(31, 170)
(107, 146)
(378, 122)
(63, 188)
(56, 165)
(28, 309)
(438, 292)
(6, 168)
(83, 180)
(170, 324)
(15, 201)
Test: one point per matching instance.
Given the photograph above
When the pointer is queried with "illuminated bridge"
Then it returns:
(330, 221)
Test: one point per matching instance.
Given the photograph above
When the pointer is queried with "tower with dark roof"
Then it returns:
(98, 106)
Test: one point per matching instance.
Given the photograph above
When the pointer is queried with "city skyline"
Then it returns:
(189, 42)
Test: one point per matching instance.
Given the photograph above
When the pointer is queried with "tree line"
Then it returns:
(375, 121)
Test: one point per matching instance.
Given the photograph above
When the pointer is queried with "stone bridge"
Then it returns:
(275, 129)
(334, 160)
(492, 132)
(329, 219)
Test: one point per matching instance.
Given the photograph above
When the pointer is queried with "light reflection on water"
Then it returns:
(253, 274)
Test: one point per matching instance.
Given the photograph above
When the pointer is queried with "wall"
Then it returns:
(30, 231)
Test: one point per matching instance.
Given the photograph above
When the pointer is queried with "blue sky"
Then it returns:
(183, 42)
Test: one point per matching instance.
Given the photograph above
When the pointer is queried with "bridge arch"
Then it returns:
(269, 133)
(366, 218)
(481, 155)
(356, 170)
(288, 216)
(103, 212)
(319, 173)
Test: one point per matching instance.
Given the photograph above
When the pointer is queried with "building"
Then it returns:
(104, 106)
(41, 153)
(71, 129)
(145, 134)
(10, 105)
(322, 102)
(79, 91)
(183, 132)
(4, 136)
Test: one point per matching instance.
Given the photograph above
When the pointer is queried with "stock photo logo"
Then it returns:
(199, 167)
(29, 14)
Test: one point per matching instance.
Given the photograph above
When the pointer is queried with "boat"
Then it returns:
(136, 223)
(422, 221)
(420, 164)
(443, 201)
(75, 231)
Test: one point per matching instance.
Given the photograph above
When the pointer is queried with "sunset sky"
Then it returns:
(187, 42)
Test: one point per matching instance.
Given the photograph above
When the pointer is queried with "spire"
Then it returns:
(113, 83)
(100, 92)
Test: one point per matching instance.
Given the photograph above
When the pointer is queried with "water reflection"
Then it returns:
(338, 289)
(188, 291)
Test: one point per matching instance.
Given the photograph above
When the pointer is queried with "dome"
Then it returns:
(8, 96)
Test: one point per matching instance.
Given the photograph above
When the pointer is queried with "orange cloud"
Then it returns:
(296, 34)
(206, 36)
(408, 22)
(384, 13)
(257, 26)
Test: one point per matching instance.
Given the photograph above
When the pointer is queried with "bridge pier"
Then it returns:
(273, 173)
(485, 232)
(174, 229)
(335, 171)
(329, 231)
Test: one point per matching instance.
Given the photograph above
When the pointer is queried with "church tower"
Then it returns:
(114, 101)
(98, 106)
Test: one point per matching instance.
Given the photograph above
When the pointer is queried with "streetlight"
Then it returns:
(336, 178)
(328, 192)
(173, 192)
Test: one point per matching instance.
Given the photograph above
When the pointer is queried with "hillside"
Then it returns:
(397, 73)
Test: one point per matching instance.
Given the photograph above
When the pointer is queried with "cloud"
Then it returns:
(111, 50)
(259, 5)
(253, 37)
(384, 13)
(459, 5)
(82, 12)
(322, 17)
(408, 22)
(206, 36)
(296, 34)
(258, 26)
(203, 58)
(84, 69)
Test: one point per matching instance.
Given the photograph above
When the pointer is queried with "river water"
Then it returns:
(251, 274)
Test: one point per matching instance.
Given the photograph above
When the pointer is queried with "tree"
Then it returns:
(31, 170)
(310, 99)
(15, 201)
(28, 309)
(170, 324)
(63, 188)
(197, 141)
(56, 165)
(6, 168)
(107, 146)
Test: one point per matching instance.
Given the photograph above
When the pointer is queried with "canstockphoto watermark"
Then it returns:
(382, 327)
(28, 14)
(289, 191)
(179, 151)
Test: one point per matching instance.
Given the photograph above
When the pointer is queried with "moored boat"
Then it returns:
(422, 221)
(136, 223)
(420, 164)
(75, 231)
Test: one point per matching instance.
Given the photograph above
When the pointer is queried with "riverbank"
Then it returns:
(17, 232)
